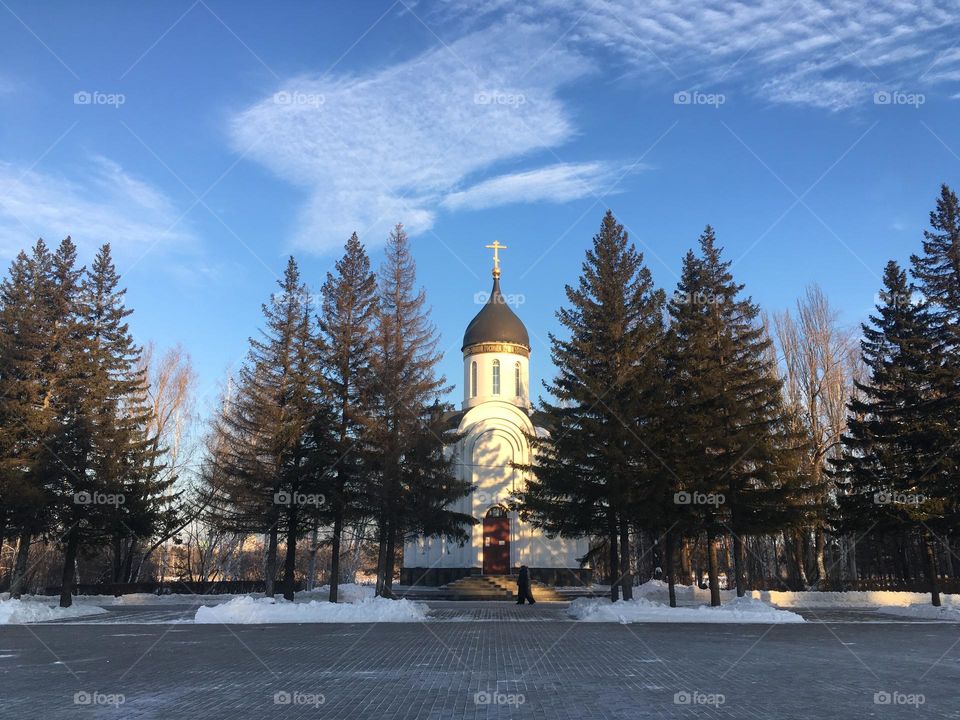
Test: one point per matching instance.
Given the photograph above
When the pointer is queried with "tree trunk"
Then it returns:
(270, 566)
(932, 571)
(117, 545)
(626, 576)
(382, 533)
(19, 578)
(126, 573)
(799, 560)
(614, 565)
(713, 546)
(335, 555)
(738, 563)
(668, 562)
(69, 567)
(290, 556)
(312, 557)
(686, 566)
(390, 564)
(821, 552)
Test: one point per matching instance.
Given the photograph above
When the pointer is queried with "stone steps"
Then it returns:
(497, 587)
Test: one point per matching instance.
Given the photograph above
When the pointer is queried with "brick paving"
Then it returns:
(476, 661)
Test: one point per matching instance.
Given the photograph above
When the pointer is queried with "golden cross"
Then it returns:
(496, 247)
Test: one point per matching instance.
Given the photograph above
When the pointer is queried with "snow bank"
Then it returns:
(739, 610)
(17, 612)
(948, 613)
(346, 592)
(852, 598)
(248, 610)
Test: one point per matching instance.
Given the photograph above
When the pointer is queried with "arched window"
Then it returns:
(496, 511)
(473, 379)
(518, 384)
(496, 377)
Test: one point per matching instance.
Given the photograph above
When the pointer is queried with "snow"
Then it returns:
(657, 591)
(738, 610)
(947, 613)
(248, 610)
(30, 610)
(346, 592)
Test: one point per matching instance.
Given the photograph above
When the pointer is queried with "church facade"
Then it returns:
(494, 426)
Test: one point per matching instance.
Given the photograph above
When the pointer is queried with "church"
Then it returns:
(494, 425)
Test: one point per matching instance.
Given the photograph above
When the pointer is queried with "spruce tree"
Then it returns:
(598, 473)
(26, 303)
(937, 272)
(730, 458)
(406, 465)
(105, 466)
(890, 475)
(267, 432)
(346, 326)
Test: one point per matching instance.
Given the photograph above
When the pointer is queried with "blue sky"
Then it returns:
(207, 140)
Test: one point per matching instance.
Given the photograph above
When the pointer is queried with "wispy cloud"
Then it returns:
(392, 145)
(831, 54)
(110, 205)
(555, 183)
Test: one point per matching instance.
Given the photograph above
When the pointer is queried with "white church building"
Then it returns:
(495, 426)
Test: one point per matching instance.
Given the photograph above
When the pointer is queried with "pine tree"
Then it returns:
(889, 478)
(346, 325)
(597, 474)
(406, 387)
(730, 456)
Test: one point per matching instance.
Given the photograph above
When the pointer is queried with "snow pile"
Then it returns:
(17, 612)
(248, 610)
(346, 592)
(739, 610)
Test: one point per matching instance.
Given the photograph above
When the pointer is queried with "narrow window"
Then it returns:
(516, 378)
(473, 379)
(496, 377)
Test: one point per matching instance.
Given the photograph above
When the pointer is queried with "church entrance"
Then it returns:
(496, 542)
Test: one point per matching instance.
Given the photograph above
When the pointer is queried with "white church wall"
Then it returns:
(508, 389)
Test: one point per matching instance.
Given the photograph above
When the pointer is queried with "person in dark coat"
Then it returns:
(523, 586)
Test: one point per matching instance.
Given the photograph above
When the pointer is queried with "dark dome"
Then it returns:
(496, 322)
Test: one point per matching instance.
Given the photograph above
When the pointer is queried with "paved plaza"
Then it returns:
(479, 660)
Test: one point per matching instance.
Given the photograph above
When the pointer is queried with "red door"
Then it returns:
(496, 542)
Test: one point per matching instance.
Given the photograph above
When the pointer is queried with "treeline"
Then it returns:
(336, 421)
(675, 419)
